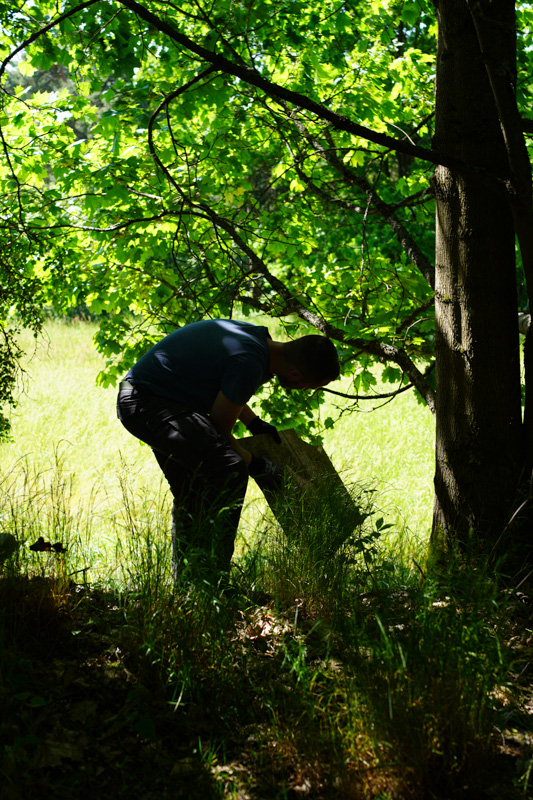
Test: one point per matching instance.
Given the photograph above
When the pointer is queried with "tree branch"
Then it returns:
(276, 91)
(412, 319)
(382, 350)
(421, 262)
(70, 13)
(384, 396)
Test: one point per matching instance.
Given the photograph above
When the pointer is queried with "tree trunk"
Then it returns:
(479, 436)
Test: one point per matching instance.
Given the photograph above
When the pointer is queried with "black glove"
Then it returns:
(260, 426)
(268, 473)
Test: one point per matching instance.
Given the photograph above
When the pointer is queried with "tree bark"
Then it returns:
(479, 432)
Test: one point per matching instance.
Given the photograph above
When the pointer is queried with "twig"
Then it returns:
(520, 508)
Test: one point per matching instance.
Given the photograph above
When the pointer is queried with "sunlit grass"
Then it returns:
(393, 449)
(60, 407)
(63, 413)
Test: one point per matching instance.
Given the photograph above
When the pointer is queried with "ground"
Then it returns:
(84, 713)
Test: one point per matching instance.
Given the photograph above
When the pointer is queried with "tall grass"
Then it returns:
(62, 410)
(350, 670)
(335, 665)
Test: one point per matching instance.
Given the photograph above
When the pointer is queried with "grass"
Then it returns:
(336, 667)
(63, 413)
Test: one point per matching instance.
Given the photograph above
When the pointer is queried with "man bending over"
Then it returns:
(183, 398)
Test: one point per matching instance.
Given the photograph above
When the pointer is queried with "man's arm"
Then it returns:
(258, 426)
(247, 415)
(224, 415)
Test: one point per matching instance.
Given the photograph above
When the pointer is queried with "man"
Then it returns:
(183, 398)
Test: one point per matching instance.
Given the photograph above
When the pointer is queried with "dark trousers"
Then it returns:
(207, 477)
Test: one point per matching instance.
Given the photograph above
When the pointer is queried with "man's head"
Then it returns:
(307, 363)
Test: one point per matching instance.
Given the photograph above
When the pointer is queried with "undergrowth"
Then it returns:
(332, 666)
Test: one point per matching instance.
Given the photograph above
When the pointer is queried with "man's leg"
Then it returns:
(206, 475)
(205, 513)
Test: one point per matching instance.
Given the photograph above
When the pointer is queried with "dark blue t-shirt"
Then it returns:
(192, 364)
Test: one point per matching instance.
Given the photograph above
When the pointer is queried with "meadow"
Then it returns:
(354, 671)
(63, 416)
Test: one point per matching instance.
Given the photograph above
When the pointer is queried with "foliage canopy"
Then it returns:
(139, 178)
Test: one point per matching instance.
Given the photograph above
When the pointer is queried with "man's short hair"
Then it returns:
(315, 356)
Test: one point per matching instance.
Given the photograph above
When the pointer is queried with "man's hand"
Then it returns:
(257, 426)
(268, 473)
